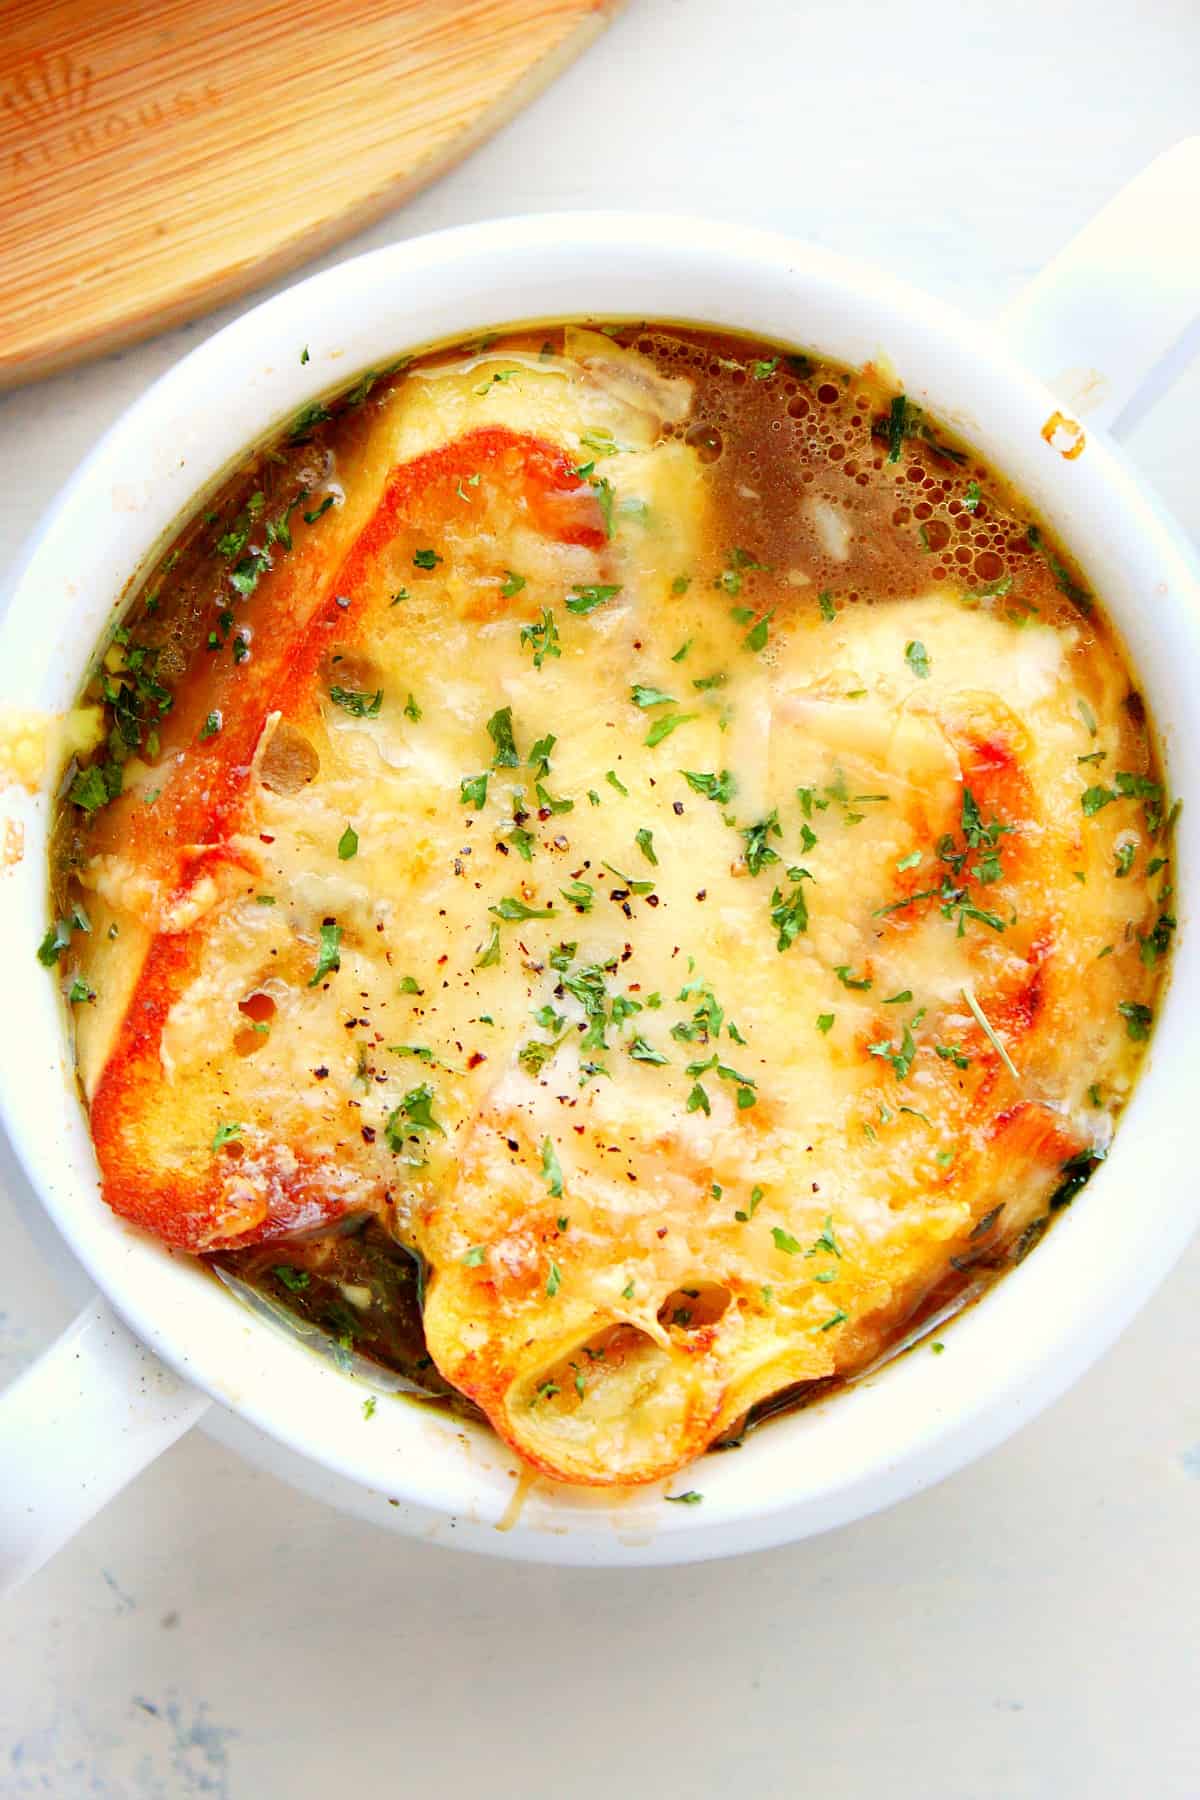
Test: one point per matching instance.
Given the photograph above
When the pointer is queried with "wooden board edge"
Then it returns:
(211, 292)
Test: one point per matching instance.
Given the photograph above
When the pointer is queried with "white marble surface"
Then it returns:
(1031, 1628)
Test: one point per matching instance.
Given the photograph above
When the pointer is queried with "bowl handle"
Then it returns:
(1115, 317)
(83, 1420)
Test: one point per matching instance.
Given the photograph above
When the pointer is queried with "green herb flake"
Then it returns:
(225, 1134)
(554, 1279)
(644, 839)
(347, 844)
(358, 705)
(426, 559)
(551, 1171)
(500, 730)
(849, 980)
(513, 910)
(584, 600)
(650, 696)
(756, 638)
(1138, 1019)
(542, 638)
(614, 782)
(329, 958)
(720, 788)
(691, 1498)
(785, 1241)
(662, 728)
(917, 658)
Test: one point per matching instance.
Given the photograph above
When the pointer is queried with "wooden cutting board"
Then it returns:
(159, 156)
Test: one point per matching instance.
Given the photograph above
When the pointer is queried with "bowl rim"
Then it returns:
(919, 1418)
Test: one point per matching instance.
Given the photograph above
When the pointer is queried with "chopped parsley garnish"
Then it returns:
(1124, 855)
(584, 600)
(917, 658)
(1138, 1019)
(211, 726)
(826, 1244)
(412, 710)
(720, 788)
(554, 1280)
(650, 696)
(310, 518)
(756, 638)
(500, 730)
(512, 584)
(758, 852)
(603, 490)
(691, 1498)
(539, 755)
(745, 1084)
(347, 844)
(662, 728)
(644, 839)
(510, 909)
(682, 651)
(80, 992)
(475, 1256)
(295, 1280)
(551, 1170)
(614, 781)
(54, 943)
(896, 426)
(839, 1318)
(1062, 575)
(225, 1134)
(1154, 945)
(825, 1022)
(785, 1241)
(789, 913)
(413, 1115)
(627, 881)
(743, 1215)
(828, 609)
(580, 895)
(737, 563)
(541, 638)
(315, 413)
(426, 559)
(641, 1051)
(850, 980)
(358, 705)
(762, 371)
(472, 790)
(901, 1059)
(972, 497)
(329, 957)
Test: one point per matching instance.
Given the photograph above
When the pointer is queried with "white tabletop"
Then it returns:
(1029, 1628)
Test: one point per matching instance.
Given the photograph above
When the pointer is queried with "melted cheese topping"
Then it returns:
(689, 990)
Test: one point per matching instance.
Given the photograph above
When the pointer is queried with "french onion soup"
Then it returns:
(619, 871)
